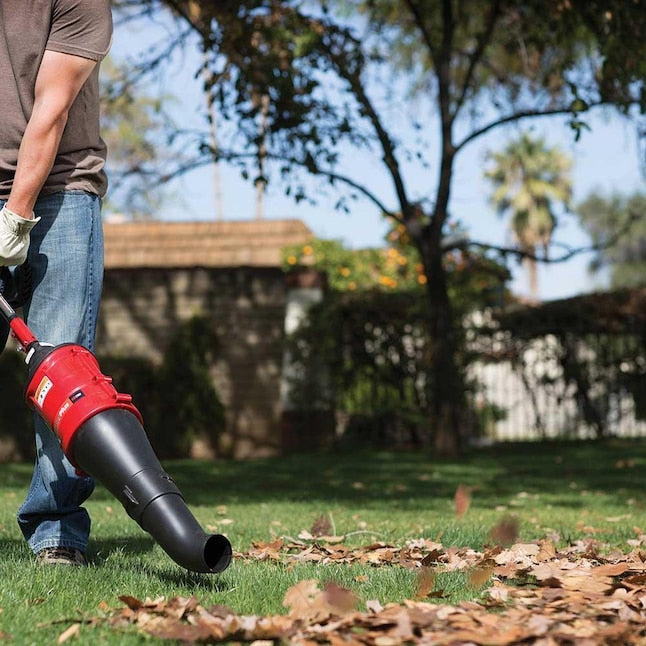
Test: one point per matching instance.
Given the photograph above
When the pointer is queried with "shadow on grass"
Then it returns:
(101, 550)
(412, 480)
(195, 581)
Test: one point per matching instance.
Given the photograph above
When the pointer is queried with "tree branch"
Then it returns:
(192, 164)
(516, 116)
(338, 177)
(387, 144)
(568, 253)
(476, 55)
(428, 39)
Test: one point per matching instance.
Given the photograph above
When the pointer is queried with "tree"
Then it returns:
(530, 181)
(617, 225)
(341, 75)
(131, 123)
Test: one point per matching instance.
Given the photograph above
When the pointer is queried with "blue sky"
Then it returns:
(606, 158)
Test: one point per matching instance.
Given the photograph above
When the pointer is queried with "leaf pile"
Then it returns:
(532, 594)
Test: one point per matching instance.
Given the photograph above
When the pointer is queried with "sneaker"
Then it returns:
(61, 556)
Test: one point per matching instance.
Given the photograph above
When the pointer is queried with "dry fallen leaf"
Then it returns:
(72, 631)
(584, 597)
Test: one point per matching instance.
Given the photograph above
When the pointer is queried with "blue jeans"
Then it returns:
(66, 256)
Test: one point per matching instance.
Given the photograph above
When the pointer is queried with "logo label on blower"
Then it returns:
(67, 404)
(43, 389)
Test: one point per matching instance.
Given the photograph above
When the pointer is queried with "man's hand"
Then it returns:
(14, 237)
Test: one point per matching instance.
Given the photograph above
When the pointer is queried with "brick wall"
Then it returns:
(142, 308)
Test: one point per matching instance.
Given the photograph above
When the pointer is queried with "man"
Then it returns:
(51, 183)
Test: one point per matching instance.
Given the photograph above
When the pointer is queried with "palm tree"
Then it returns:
(530, 180)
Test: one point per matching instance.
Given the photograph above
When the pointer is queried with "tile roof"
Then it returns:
(231, 243)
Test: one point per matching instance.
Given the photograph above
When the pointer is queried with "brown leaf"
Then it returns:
(462, 500)
(433, 557)
(505, 532)
(339, 599)
(170, 629)
(611, 569)
(321, 526)
(425, 582)
(373, 605)
(480, 575)
(180, 606)
(132, 602)
(548, 574)
(72, 631)
(306, 602)
(262, 550)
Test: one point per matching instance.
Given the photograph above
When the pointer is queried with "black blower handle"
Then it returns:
(15, 292)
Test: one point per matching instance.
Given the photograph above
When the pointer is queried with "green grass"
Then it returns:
(571, 490)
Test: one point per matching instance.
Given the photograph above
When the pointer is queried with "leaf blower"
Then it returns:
(101, 433)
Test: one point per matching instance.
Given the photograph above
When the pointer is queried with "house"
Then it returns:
(158, 274)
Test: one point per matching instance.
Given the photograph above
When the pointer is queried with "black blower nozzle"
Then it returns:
(113, 447)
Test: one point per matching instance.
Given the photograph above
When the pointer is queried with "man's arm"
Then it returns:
(60, 78)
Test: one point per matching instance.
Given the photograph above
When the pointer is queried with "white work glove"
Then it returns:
(14, 237)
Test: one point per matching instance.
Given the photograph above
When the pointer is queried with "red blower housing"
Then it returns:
(101, 433)
(67, 388)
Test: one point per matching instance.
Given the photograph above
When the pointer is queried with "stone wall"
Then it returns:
(143, 307)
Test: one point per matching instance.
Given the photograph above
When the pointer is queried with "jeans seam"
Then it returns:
(90, 292)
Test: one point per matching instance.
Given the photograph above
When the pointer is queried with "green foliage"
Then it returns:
(617, 226)
(188, 396)
(373, 346)
(177, 400)
(16, 420)
(396, 268)
(370, 334)
(132, 124)
(530, 182)
(475, 279)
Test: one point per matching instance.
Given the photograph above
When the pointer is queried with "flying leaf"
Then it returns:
(462, 500)
(321, 526)
(480, 575)
(425, 583)
(306, 602)
(505, 532)
(339, 599)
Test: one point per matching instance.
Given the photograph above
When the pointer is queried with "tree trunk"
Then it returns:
(446, 388)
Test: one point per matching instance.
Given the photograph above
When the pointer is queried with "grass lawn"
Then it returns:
(565, 491)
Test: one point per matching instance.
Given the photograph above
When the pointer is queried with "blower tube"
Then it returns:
(101, 433)
(113, 447)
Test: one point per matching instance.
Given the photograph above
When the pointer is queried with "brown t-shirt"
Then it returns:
(28, 28)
